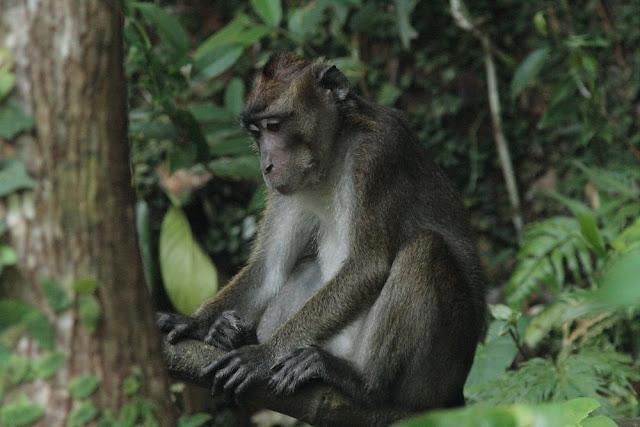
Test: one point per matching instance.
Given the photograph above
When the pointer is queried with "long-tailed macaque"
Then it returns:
(364, 273)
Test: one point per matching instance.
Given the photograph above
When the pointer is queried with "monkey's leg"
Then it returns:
(309, 363)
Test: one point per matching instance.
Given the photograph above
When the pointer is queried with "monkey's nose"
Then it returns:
(268, 168)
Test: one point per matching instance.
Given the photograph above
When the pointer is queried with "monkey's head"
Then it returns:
(292, 113)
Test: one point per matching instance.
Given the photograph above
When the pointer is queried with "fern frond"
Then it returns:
(548, 246)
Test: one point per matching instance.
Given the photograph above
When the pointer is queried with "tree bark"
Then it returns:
(77, 223)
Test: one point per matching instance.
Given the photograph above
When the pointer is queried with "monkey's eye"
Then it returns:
(272, 126)
(255, 130)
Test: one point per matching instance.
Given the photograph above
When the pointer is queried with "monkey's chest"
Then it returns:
(304, 281)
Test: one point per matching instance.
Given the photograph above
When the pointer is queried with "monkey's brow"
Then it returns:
(249, 117)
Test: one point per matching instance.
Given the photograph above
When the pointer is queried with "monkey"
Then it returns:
(364, 273)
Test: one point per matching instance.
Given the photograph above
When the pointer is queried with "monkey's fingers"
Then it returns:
(167, 321)
(223, 375)
(219, 363)
(179, 333)
(220, 341)
(230, 386)
(298, 367)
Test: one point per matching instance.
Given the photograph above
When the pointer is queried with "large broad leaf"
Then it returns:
(621, 281)
(528, 70)
(234, 96)
(269, 10)
(240, 31)
(217, 61)
(167, 26)
(493, 357)
(557, 414)
(13, 120)
(13, 176)
(189, 276)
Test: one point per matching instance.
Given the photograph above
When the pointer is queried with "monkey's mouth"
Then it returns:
(284, 189)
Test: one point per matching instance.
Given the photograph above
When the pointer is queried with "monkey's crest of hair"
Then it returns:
(285, 76)
(283, 66)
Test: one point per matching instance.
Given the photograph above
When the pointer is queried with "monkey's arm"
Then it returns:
(355, 286)
(226, 321)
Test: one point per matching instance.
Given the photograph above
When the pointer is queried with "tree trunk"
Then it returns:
(76, 225)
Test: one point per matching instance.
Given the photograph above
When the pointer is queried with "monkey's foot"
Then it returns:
(229, 332)
(239, 369)
(297, 368)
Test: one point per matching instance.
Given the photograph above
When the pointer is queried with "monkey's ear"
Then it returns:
(331, 78)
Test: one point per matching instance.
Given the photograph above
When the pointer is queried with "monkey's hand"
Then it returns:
(298, 367)
(229, 332)
(180, 327)
(239, 369)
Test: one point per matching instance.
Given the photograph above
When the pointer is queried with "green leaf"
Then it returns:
(190, 278)
(269, 10)
(403, 20)
(194, 420)
(218, 61)
(82, 413)
(540, 23)
(556, 414)
(48, 365)
(543, 323)
(56, 296)
(304, 20)
(239, 146)
(598, 421)
(388, 94)
(18, 369)
(207, 112)
(234, 96)
(89, 312)
(590, 232)
(14, 312)
(7, 256)
(13, 120)
(21, 412)
(244, 167)
(83, 386)
(85, 285)
(621, 281)
(168, 26)
(500, 312)
(493, 357)
(129, 413)
(546, 247)
(235, 32)
(13, 176)
(131, 385)
(528, 70)
(39, 328)
(7, 82)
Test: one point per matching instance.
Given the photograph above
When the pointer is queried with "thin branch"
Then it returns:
(462, 19)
